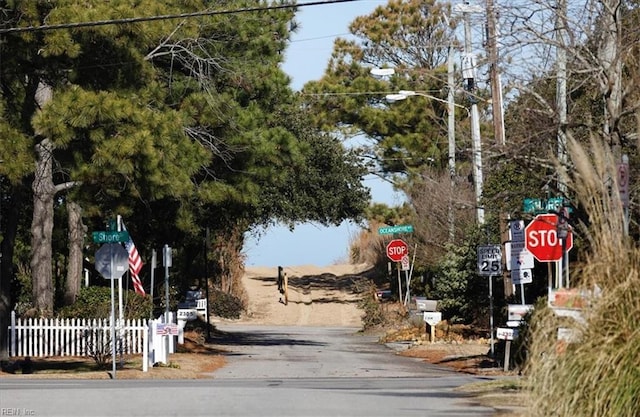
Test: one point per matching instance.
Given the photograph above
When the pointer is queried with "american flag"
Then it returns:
(135, 263)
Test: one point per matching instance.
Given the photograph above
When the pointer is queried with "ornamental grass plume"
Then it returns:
(597, 373)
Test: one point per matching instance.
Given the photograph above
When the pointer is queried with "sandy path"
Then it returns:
(317, 296)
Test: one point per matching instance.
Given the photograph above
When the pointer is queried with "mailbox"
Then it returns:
(422, 304)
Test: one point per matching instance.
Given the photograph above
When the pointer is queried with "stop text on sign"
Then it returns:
(542, 240)
(397, 249)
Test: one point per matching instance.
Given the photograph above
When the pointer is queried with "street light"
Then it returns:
(475, 130)
(382, 72)
(404, 94)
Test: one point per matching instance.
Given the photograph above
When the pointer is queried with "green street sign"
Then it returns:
(541, 206)
(533, 206)
(390, 230)
(110, 236)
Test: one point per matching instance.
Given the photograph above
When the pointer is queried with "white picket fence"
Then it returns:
(72, 337)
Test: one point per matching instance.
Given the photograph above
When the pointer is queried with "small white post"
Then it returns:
(507, 355)
(13, 333)
(181, 324)
(172, 339)
(145, 348)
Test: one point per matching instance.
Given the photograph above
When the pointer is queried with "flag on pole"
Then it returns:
(135, 263)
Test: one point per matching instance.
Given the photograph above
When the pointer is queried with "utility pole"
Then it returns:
(561, 105)
(494, 74)
(561, 89)
(468, 73)
(451, 132)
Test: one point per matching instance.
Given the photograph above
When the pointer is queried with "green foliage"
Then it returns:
(509, 182)
(225, 305)
(174, 297)
(95, 302)
(463, 295)
(451, 285)
(385, 215)
(178, 126)
(372, 307)
(412, 37)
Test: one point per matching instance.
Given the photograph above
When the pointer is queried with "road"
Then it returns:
(271, 371)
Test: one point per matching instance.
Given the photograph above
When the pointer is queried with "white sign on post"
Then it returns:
(505, 333)
(405, 263)
(516, 230)
(518, 257)
(432, 317)
(521, 276)
(489, 260)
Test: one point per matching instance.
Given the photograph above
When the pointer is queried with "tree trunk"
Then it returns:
(229, 266)
(42, 220)
(44, 192)
(42, 229)
(611, 80)
(77, 231)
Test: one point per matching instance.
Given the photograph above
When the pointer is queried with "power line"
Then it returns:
(166, 17)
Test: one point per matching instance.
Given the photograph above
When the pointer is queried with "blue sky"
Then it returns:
(306, 59)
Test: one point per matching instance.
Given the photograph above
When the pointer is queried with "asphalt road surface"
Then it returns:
(271, 371)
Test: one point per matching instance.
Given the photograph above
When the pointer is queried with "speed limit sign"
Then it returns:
(489, 260)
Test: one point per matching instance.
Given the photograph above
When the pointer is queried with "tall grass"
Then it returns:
(599, 373)
(367, 246)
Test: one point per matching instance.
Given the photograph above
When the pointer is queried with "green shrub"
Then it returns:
(373, 313)
(225, 305)
(95, 302)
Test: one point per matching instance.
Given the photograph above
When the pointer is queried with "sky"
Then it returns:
(305, 60)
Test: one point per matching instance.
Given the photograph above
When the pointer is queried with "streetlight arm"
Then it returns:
(403, 94)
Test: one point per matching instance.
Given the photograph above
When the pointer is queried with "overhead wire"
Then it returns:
(167, 17)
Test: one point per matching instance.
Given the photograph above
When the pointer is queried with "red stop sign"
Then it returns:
(541, 238)
(396, 249)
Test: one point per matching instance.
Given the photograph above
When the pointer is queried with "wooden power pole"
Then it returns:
(494, 74)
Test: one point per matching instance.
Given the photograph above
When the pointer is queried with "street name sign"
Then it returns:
(391, 230)
(111, 236)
